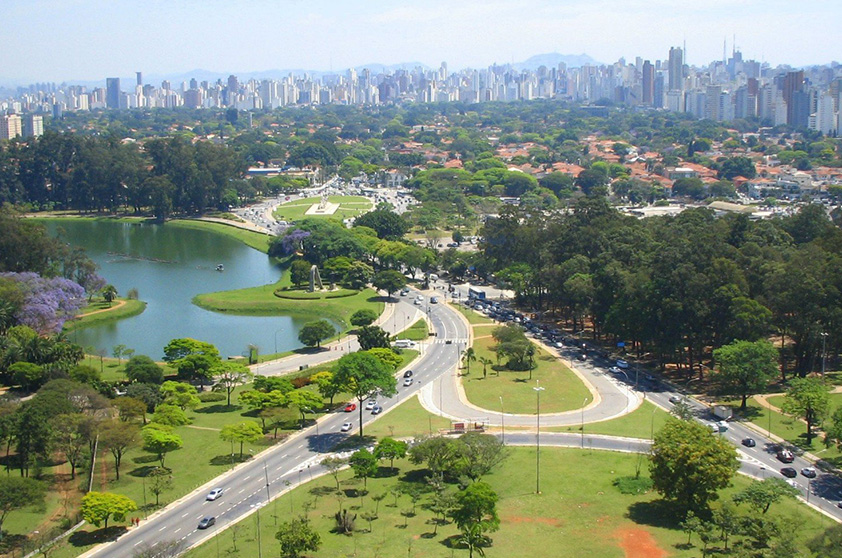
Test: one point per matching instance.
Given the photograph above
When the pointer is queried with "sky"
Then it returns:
(88, 40)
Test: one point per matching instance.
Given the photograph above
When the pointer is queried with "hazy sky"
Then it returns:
(57, 40)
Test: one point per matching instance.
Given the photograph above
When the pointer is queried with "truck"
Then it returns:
(723, 412)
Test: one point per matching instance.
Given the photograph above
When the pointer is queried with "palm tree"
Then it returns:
(473, 539)
(109, 293)
(470, 355)
(485, 362)
(530, 357)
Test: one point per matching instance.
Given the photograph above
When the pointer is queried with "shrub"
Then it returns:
(300, 382)
(211, 396)
(633, 485)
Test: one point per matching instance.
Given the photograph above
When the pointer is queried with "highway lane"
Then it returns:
(250, 485)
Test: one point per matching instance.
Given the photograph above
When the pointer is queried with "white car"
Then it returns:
(407, 382)
(214, 494)
(370, 404)
(622, 364)
(346, 426)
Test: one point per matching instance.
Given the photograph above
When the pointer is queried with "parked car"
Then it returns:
(785, 456)
(614, 370)
(214, 494)
(206, 522)
(789, 472)
(346, 426)
(622, 363)
(749, 442)
(809, 472)
(350, 407)
(582, 356)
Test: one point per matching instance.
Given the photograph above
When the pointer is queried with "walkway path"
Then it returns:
(109, 309)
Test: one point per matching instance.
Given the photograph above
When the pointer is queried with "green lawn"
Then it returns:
(408, 420)
(564, 390)
(349, 206)
(474, 318)
(111, 313)
(640, 423)
(579, 513)
(416, 332)
(256, 240)
(262, 300)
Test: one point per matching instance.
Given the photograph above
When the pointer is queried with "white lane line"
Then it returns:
(284, 455)
(138, 542)
(185, 515)
(162, 528)
(241, 491)
(176, 531)
(247, 478)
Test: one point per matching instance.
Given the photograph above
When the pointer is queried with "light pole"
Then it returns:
(538, 389)
(824, 352)
(503, 419)
(276, 339)
(259, 546)
(584, 402)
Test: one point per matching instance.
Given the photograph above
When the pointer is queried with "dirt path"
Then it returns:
(639, 543)
(109, 309)
(204, 428)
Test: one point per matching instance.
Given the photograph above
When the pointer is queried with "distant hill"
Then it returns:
(553, 59)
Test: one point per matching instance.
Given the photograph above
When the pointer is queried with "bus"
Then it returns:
(475, 293)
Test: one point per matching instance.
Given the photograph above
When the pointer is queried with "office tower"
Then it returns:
(139, 78)
(10, 126)
(648, 78)
(658, 91)
(675, 68)
(712, 107)
(112, 93)
(793, 83)
(33, 126)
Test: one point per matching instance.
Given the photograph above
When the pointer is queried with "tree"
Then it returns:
(809, 400)
(334, 465)
(180, 394)
(160, 440)
(299, 272)
(192, 358)
(389, 280)
(364, 464)
(117, 351)
(479, 454)
(313, 333)
(386, 223)
(296, 537)
(27, 375)
(326, 384)
(118, 437)
(688, 464)
(144, 370)
(130, 409)
(230, 375)
(485, 362)
(169, 415)
(364, 375)
(98, 507)
(242, 432)
(69, 438)
(473, 538)
(441, 454)
(746, 367)
(391, 449)
(469, 356)
(304, 400)
(476, 505)
(363, 317)
(18, 493)
(760, 495)
(388, 356)
(373, 337)
(109, 293)
(160, 480)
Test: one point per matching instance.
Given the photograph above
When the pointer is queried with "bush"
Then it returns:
(300, 382)
(211, 396)
(633, 485)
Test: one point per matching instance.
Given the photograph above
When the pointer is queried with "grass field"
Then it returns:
(256, 240)
(408, 420)
(564, 390)
(105, 313)
(349, 206)
(474, 318)
(262, 300)
(640, 423)
(419, 331)
(579, 513)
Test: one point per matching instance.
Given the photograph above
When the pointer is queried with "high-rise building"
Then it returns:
(675, 68)
(33, 126)
(139, 78)
(10, 126)
(112, 93)
(648, 79)
(793, 83)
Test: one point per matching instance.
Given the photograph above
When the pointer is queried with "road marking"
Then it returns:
(162, 528)
(185, 515)
(138, 542)
(241, 491)
(176, 531)
(284, 455)
(247, 478)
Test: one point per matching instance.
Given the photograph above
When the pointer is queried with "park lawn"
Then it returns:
(407, 420)
(588, 517)
(416, 332)
(474, 318)
(794, 431)
(349, 206)
(111, 313)
(256, 240)
(262, 301)
(564, 391)
(640, 423)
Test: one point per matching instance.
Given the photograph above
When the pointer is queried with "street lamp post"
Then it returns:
(538, 389)
(259, 546)
(503, 419)
(824, 352)
(276, 339)
(584, 402)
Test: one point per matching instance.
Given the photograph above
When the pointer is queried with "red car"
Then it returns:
(350, 407)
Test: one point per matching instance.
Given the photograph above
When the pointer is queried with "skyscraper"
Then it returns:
(648, 78)
(675, 67)
(112, 93)
(10, 126)
(139, 78)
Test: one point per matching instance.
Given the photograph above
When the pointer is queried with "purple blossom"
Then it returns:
(48, 302)
(292, 241)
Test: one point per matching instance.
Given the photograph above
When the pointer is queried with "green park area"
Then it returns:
(349, 206)
(580, 512)
(100, 311)
(419, 331)
(256, 240)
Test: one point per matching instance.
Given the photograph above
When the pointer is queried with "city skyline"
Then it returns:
(88, 40)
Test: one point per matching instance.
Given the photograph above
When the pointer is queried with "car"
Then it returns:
(434, 300)
(206, 522)
(407, 374)
(448, 341)
(376, 410)
(789, 472)
(346, 426)
(558, 344)
(622, 363)
(370, 404)
(723, 426)
(350, 407)
(748, 442)
(809, 472)
(407, 382)
(214, 494)
(404, 291)
(785, 456)
(675, 399)
(582, 356)
(614, 370)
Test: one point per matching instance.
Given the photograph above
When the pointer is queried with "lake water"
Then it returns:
(168, 266)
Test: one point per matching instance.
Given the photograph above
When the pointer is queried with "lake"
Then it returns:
(168, 266)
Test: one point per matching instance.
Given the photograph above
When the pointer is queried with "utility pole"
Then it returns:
(538, 389)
